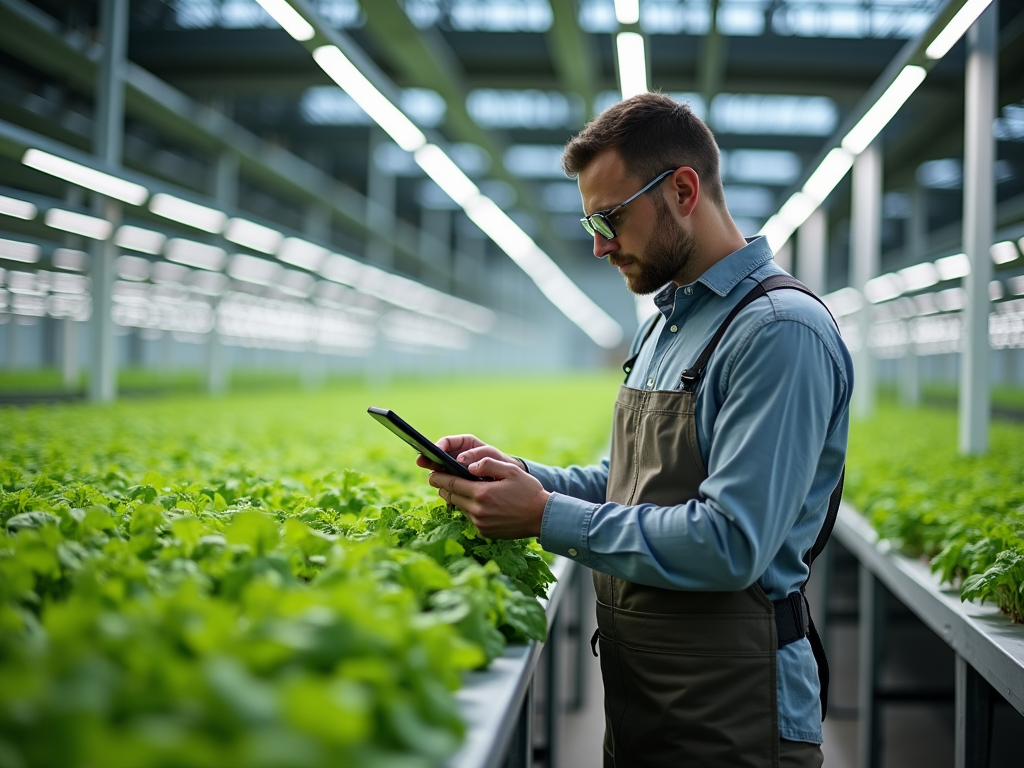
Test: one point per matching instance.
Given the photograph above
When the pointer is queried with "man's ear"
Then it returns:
(684, 186)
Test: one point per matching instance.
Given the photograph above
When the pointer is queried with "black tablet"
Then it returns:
(400, 427)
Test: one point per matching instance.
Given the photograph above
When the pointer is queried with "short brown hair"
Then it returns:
(652, 133)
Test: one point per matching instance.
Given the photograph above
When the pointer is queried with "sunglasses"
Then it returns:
(600, 221)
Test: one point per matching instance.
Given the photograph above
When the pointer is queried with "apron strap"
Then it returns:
(627, 366)
(691, 376)
(792, 616)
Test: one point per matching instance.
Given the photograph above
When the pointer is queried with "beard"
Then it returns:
(668, 253)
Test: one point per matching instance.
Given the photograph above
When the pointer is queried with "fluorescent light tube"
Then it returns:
(1004, 252)
(69, 258)
(15, 250)
(919, 276)
(165, 272)
(139, 239)
(289, 19)
(844, 302)
(627, 11)
(632, 64)
(19, 209)
(253, 235)
(132, 268)
(78, 223)
(446, 174)
(186, 212)
(389, 117)
(302, 253)
(827, 175)
(252, 269)
(342, 269)
(797, 209)
(883, 288)
(84, 176)
(953, 267)
(193, 254)
(776, 232)
(882, 111)
(958, 25)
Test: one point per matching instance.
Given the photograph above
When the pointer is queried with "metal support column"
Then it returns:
(871, 624)
(225, 192)
(69, 353)
(381, 188)
(436, 244)
(108, 143)
(812, 252)
(916, 236)
(11, 357)
(865, 251)
(979, 206)
(974, 702)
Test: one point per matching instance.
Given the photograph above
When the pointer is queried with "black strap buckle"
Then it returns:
(792, 618)
(689, 380)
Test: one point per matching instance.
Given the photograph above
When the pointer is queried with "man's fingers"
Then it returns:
(491, 467)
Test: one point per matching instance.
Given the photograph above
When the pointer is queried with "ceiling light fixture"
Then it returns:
(252, 269)
(140, 239)
(78, 223)
(955, 29)
(16, 250)
(883, 110)
(919, 276)
(253, 235)
(194, 254)
(19, 209)
(632, 64)
(1003, 252)
(84, 176)
(70, 258)
(186, 212)
(953, 267)
(627, 11)
(828, 175)
(389, 117)
(289, 19)
(302, 253)
(446, 174)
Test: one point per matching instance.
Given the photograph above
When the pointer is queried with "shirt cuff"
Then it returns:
(564, 527)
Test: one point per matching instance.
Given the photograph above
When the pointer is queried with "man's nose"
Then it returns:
(603, 246)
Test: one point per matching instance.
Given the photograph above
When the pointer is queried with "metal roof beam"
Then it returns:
(571, 53)
(38, 39)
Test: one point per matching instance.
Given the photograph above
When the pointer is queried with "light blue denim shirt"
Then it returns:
(772, 417)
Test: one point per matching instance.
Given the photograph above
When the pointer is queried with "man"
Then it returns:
(721, 469)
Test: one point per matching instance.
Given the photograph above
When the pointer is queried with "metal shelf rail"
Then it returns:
(989, 648)
(497, 703)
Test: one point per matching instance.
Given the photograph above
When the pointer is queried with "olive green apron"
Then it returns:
(689, 676)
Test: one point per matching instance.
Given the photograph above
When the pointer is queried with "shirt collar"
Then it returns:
(725, 274)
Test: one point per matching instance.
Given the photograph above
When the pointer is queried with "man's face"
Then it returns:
(650, 247)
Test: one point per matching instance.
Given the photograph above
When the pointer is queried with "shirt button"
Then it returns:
(674, 328)
(572, 552)
(688, 290)
(650, 382)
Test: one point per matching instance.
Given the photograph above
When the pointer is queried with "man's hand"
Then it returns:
(509, 507)
(466, 449)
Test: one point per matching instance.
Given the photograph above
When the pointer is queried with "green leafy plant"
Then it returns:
(964, 514)
(258, 581)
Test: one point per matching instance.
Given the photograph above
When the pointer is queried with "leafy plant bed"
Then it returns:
(965, 515)
(259, 581)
